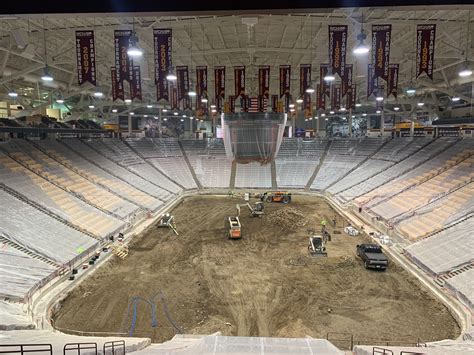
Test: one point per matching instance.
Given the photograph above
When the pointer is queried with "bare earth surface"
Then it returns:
(265, 284)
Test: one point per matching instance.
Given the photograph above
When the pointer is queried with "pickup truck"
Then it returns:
(372, 256)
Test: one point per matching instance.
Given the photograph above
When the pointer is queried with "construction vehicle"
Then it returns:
(317, 245)
(233, 228)
(167, 221)
(255, 211)
(276, 196)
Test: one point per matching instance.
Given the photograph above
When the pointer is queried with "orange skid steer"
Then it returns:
(233, 228)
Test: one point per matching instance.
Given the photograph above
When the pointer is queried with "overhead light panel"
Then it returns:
(164, 110)
(132, 113)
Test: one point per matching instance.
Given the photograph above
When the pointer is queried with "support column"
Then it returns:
(382, 122)
(129, 124)
(412, 129)
(317, 125)
(159, 122)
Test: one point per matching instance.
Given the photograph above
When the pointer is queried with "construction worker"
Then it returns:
(334, 221)
(323, 225)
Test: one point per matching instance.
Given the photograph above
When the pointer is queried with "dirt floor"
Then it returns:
(265, 284)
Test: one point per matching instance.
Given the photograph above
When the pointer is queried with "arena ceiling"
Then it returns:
(229, 40)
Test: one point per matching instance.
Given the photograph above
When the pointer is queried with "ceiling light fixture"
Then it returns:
(204, 100)
(98, 94)
(420, 104)
(59, 101)
(361, 48)
(134, 49)
(299, 100)
(411, 91)
(128, 101)
(291, 105)
(46, 75)
(379, 98)
(13, 93)
(358, 104)
(213, 106)
(175, 113)
(132, 113)
(364, 114)
(396, 108)
(164, 110)
(342, 109)
(149, 106)
(465, 72)
(329, 77)
(455, 98)
(331, 112)
(378, 111)
(114, 110)
(91, 106)
(213, 110)
(171, 75)
(310, 89)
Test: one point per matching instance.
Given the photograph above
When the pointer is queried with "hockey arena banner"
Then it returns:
(239, 81)
(346, 82)
(174, 98)
(381, 50)
(285, 80)
(392, 82)
(351, 97)
(425, 46)
(123, 63)
(117, 86)
(219, 81)
(372, 82)
(85, 52)
(325, 86)
(320, 98)
(264, 81)
(274, 103)
(337, 49)
(305, 77)
(136, 84)
(182, 81)
(201, 81)
(162, 42)
(307, 106)
(232, 104)
(336, 97)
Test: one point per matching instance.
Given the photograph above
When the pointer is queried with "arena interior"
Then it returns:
(228, 179)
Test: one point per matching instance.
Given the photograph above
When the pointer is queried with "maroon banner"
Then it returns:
(287, 101)
(174, 98)
(320, 98)
(285, 80)
(425, 46)
(305, 77)
(182, 81)
(336, 97)
(85, 54)
(117, 87)
(351, 97)
(244, 104)
(337, 49)
(219, 81)
(201, 81)
(264, 81)
(307, 106)
(274, 103)
(346, 82)
(123, 63)
(239, 81)
(232, 104)
(381, 50)
(372, 82)
(392, 82)
(136, 84)
(162, 44)
(325, 86)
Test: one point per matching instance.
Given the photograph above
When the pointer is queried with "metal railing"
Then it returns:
(26, 348)
(89, 348)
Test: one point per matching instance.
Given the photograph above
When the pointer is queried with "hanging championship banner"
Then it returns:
(232, 104)
(346, 82)
(392, 82)
(85, 54)
(136, 84)
(336, 97)
(305, 77)
(337, 49)
(117, 87)
(274, 103)
(351, 97)
(182, 81)
(285, 80)
(425, 45)
(307, 106)
(325, 86)
(174, 98)
(372, 82)
(320, 98)
(123, 63)
(162, 45)
(381, 50)
(201, 81)
(219, 80)
(239, 81)
(264, 81)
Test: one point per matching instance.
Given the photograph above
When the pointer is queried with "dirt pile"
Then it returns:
(288, 218)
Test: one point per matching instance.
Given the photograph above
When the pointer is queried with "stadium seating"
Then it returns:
(166, 156)
(56, 200)
(253, 175)
(94, 173)
(462, 284)
(342, 157)
(209, 162)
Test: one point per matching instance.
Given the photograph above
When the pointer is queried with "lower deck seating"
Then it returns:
(253, 175)
(295, 172)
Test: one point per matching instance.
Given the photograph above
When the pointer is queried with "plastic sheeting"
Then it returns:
(13, 316)
(20, 272)
(253, 136)
(38, 232)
